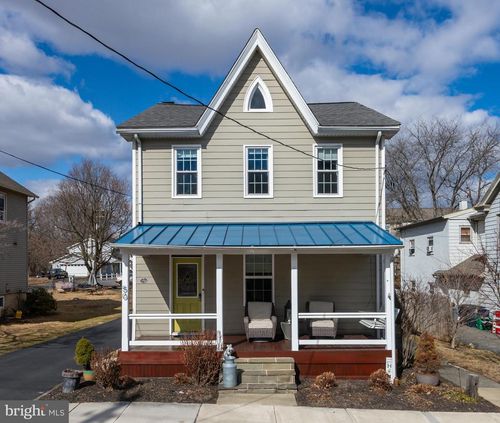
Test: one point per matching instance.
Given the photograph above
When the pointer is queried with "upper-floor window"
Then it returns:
(465, 234)
(327, 170)
(3, 207)
(258, 98)
(411, 249)
(430, 245)
(258, 171)
(186, 166)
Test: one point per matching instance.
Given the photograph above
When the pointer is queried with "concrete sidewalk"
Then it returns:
(139, 412)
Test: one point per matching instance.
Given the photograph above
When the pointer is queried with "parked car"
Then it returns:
(58, 274)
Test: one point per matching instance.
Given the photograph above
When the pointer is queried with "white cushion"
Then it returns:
(321, 307)
(260, 324)
(259, 310)
(323, 324)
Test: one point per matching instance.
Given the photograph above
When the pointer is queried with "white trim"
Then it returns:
(4, 195)
(134, 292)
(340, 162)
(342, 342)
(270, 161)
(162, 343)
(258, 82)
(203, 289)
(294, 289)
(219, 298)
(377, 177)
(258, 277)
(383, 183)
(125, 303)
(344, 315)
(134, 183)
(173, 316)
(199, 178)
(139, 211)
(170, 291)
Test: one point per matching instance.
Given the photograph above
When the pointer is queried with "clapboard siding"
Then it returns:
(223, 164)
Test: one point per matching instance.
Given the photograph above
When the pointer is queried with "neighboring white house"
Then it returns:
(74, 264)
(439, 244)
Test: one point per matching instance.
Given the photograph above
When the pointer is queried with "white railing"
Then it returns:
(343, 315)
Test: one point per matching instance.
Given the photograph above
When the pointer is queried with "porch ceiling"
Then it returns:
(307, 236)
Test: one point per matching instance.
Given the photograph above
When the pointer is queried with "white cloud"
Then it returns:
(43, 122)
(42, 187)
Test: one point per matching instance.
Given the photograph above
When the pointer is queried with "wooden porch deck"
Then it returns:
(346, 362)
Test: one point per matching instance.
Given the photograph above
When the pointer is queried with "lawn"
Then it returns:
(479, 361)
(75, 311)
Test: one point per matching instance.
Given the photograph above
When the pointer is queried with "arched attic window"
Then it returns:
(258, 98)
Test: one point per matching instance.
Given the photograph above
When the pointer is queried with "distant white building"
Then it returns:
(74, 264)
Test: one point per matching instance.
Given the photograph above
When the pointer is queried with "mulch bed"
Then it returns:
(358, 394)
(148, 390)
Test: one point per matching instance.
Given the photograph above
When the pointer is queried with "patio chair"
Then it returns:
(322, 328)
(260, 320)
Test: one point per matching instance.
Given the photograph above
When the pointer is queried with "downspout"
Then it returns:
(134, 183)
(378, 295)
(139, 179)
(382, 165)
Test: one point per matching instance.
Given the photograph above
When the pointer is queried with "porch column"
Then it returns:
(389, 310)
(294, 280)
(219, 300)
(125, 303)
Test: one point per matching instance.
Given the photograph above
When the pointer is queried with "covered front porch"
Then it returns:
(179, 289)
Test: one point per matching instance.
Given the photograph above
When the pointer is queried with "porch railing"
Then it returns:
(343, 315)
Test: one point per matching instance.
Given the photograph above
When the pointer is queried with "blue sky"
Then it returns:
(62, 94)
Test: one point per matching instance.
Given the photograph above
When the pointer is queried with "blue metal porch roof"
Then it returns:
(306, 234)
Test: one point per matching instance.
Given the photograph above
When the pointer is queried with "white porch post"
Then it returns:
(219, 300)
(294, 280)
(125, 303)
(389, 310)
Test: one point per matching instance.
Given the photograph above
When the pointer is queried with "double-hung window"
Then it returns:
(328, 170)
(258, 171)
(186, 165)
(3, 207)
(465, 235)
(259, 277)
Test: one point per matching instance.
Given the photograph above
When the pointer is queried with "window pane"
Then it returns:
(327, 183)
(258, 183)
(259, 265)
(327, 159)
(187, 160)
(259, 289)
(257, 101)
(257, 159)
(187, 184)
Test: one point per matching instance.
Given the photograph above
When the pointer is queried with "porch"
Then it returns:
(356, 277)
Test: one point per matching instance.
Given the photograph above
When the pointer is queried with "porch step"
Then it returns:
(266, 375)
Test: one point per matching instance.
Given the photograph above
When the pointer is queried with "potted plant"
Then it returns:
(427, 361)
(83, 355)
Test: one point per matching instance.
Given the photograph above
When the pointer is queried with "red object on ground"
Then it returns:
(496, 322)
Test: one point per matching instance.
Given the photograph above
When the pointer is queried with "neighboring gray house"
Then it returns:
(223, 216)
(14, 200)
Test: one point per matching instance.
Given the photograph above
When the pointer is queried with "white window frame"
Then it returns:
(340, 162)
(198, 149)
(460, 234)
(258, 82)
(4, 217)
(257, 277)
(410, 248)
(270, 159)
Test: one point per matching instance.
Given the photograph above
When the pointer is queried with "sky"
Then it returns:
(61, 94)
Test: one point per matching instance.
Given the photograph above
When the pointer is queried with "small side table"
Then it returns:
(286, 328)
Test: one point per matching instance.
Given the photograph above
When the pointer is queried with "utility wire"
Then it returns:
(64, 174)
(186, 94)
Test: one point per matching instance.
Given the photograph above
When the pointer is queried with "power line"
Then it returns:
(64, 174)
(186, 94)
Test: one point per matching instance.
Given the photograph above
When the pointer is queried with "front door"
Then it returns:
(187, 291)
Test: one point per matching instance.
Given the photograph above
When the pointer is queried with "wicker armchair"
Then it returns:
(260, 320)
(322, 328)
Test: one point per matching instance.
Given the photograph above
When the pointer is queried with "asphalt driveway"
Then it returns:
(27, 373)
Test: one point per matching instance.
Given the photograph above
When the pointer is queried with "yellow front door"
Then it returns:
(187, 273)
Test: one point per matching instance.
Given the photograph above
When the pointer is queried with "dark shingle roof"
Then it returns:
(170, 115)
(10, 184)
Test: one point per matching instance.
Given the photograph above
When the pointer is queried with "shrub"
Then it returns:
(325, 381)
(83, 353)
(379, 380)
(106, 368)
(39, 302)
(420, 388)
(201, 358)
(182, 379)
(427, 358)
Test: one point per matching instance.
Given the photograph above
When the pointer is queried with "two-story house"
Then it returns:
(14, 200)
(259, 198)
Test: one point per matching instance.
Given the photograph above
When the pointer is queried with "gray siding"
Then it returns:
(14, 251)
(223, 161)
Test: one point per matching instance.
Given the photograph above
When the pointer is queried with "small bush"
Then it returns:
(458, 395)
(201, 358)
(83, 353)
(106, 368)
(380, 380)
(427, 358)
(325, 381)
(182, 379)
(39, 302)
(421, 388)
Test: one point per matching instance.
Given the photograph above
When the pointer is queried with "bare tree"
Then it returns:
(93, 213)
(437, 163)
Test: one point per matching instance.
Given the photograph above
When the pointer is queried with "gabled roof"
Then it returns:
(321, 118)
(457, 213)
(490, 195)
(10, 184)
